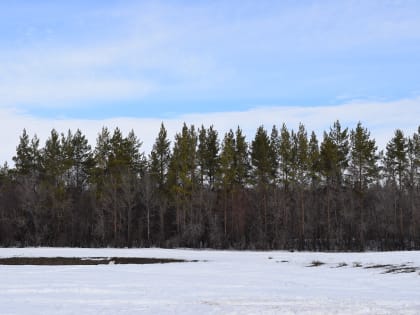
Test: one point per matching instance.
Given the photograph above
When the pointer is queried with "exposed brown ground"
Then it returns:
(59, 261)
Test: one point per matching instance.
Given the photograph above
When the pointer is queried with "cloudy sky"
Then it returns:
(132, 64)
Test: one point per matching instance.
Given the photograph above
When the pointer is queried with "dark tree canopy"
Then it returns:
(280, 190)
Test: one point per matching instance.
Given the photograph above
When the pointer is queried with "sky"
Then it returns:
(135, 64)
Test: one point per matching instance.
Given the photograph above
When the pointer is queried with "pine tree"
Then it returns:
(329, 159)
(314, 160)
(213, 148)
(227, 170)
(77, 159)
(27, 156)
(23, 157)
(242, 163)
(182, 175)
(160, 157)
(208, 155)
(340, 139)
(52, 158)
(302, 156)
(396, 171)
(275, 153)
(363, 168)
(261, 157)
(286, 156)
(227, 175)
(413, 157)
(23, 192)
(82, 160)
(302, 174)
(119, 158)
(135, 158)
(102, 151)
(396, 158)
(102, 186)
(201, 153)
(159, 164)
(330, 163)
(363, 158)
(183, 164)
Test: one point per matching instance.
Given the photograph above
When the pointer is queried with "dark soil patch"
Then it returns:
(341, 265)
(63, 261)
(401, 270)
(379, 266)
(316, 263)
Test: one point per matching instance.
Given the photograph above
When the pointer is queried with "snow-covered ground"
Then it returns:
(222, 282)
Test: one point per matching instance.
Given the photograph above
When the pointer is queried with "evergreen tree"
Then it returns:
(340, 140)
(23, 158)
(363, 168)
(413, 157)
(275, 152)
(136, 159)
(261, 157)
(396, 166)
(302, 156)
(52, 159)
(119, 159)
(227, 176)
(208, 155)
(201, 153)
(159, 164)
(212, 160)
(396, 158)
(77, 159)
(183, 164)
(27, 156)
(330, 162)
(363, 158)
(227, 172)
(314, 160)
(102, 151)
(182, 175)
(286, 155)
(242, 163)
(82, 160)
(302, 174)
(160, 157)
(329, 159)
(334, 154)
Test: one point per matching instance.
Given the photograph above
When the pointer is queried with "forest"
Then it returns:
(283, 189)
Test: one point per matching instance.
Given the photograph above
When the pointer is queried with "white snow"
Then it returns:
(222, 282)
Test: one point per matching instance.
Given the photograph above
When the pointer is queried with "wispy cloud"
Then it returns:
(221, 51)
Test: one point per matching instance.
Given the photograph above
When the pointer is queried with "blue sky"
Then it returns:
(90, 63)
(100, 59)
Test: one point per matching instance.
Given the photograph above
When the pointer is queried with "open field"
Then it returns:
(217, 282)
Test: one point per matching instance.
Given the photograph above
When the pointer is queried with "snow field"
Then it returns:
(222, 282)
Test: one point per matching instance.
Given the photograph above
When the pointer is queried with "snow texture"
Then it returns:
(222, 282)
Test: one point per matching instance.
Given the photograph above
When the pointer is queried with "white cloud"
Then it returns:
(381, 118)
(127, 68)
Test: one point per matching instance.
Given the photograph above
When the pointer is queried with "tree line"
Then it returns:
(284, 189)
